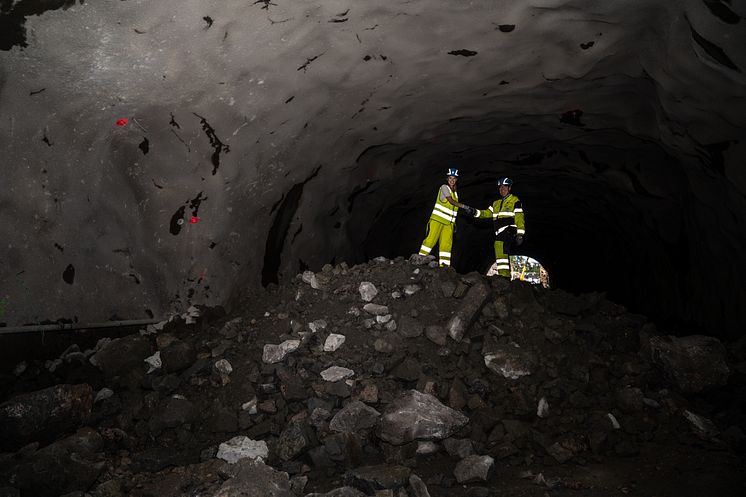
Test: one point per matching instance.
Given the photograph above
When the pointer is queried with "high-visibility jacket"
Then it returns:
(507, 215)
(443, 212)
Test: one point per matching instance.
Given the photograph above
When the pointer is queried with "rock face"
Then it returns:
(43, 414)
(418, 416)
(693, 363)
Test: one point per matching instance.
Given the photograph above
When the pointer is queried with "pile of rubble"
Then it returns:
(392, 378)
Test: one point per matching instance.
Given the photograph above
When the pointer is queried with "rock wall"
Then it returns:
(157, 154)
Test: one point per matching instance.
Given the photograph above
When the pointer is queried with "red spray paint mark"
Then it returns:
(122, 122)
(194, 220)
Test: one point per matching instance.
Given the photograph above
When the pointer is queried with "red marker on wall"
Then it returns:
(194, 220)
(122, 122)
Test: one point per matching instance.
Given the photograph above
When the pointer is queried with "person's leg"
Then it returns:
(431, 237)
(445, 244)
(501, 259)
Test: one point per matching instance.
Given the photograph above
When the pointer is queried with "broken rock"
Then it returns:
(693, 363)
(436, 334)
(460, 448)
(508, 360)
(294, 440)
(43, 414)
(376, 309)
(473, 468)
(368, 291)
(333, 342)
(418, 416)
(273, 354)
(121, 355)
(255, 478)
(409, 327)
(241, 447)
(369, 479)
(336, 373)
(354, 417)
(472, 303)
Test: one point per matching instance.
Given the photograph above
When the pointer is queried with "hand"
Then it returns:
(469, 210)
(518, 239)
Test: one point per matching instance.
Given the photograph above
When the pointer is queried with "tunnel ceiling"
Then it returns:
(157, 154)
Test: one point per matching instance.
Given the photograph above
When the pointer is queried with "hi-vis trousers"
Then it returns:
(442, 234)
(502, 260)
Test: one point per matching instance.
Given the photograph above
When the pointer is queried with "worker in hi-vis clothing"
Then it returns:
(442, 221)
(510, 225)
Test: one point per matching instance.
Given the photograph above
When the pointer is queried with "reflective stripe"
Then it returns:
(477, 213)
(499, 267)
(502, 260)
(491, 209)
(444, 209)
(447, 218)
(521, 232)
(504, 228)
(445, 254)
(518, 210)
(505, 213)
(445, 263)
(425, 249)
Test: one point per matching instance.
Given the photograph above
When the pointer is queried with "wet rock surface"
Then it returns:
(574, 399)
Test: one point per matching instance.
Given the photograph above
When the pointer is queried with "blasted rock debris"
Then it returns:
(266, 402)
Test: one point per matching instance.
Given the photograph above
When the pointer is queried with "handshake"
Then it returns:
(471, 211)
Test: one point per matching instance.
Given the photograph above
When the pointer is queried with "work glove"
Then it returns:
(518, 239)
(470, 210)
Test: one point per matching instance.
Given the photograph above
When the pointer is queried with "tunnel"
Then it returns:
(166, 154)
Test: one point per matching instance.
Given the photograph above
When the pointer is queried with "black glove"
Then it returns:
(518, 239)
(469, 210)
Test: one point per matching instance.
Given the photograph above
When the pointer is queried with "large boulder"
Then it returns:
(44, 414)
(693, 363)
(418, 416)
(178, 355)
(122, 354)
(71, 464)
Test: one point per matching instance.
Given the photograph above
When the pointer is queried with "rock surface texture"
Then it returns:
(158, 154)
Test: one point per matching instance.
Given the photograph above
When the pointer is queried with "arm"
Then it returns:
(520, 221)
(484, 213)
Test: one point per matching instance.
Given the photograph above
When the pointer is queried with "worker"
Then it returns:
(510, 226)
(442, 221)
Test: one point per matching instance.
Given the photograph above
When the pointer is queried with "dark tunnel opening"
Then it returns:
(600, 216)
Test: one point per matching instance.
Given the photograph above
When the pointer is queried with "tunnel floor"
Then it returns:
(510, 389)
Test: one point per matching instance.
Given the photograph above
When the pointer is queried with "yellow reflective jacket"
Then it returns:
(443, 212)
(507, 215)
